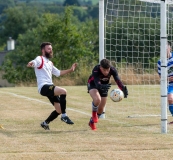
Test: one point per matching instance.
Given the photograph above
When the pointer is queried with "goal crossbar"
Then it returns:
(157, 1)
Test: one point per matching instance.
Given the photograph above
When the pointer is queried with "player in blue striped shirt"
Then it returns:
(170, 76)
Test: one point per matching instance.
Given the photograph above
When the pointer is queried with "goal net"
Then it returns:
(132, 43)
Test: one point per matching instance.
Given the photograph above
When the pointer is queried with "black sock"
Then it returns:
(63, 103)
(52, 116)
(98, 115)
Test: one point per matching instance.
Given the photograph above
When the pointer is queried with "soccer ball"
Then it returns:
(116, 95)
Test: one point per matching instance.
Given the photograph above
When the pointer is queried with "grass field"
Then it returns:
(117, 137)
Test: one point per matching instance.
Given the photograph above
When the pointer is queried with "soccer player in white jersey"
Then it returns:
(44, 69)
(170, 77)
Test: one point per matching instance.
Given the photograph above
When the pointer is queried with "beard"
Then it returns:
(49, 55)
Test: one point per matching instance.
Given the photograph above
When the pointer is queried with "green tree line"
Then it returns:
(72, 42)
(130, 38)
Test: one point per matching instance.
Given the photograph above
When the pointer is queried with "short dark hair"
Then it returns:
(105, 63)
(44, 44)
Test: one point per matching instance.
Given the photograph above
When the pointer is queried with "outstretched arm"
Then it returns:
(119, 82)
(30, 64)
(35, 63)
(72, 69)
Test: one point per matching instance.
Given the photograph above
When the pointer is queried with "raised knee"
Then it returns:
(97, 101)
(64, 91)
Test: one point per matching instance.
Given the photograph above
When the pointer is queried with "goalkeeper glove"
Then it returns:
(105, 87)
(125, 91)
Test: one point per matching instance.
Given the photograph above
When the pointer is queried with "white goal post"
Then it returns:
(133, 35)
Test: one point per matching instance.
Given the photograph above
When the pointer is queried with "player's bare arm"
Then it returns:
(72, 69)
(30, 64)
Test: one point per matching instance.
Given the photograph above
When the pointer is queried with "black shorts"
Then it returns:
(93, 86)
(48, 91)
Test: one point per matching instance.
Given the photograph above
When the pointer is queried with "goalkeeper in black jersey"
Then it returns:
(98, 86)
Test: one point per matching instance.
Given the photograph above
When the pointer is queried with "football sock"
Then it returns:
(94, 108)
(63, 103)
(63, 115)
(98, 115)
(91, 120)
(171, 108)
(52, 116)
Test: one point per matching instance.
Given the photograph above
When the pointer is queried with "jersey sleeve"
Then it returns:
(37, 62)
(95, 74)
(55, 71)
(117, 78)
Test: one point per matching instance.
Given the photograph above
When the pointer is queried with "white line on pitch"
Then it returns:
(33, 99)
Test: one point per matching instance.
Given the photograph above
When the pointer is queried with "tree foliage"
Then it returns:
(6, 4)
(70, 44)
(71, 3)
(18, 20)
(128, 35)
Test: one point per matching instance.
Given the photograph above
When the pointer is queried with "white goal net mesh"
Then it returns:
(132, 43)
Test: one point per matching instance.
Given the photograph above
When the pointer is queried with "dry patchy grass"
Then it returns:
(118, 137)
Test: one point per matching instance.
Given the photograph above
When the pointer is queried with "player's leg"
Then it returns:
(101, 106)
(48, 91)
(170, 100)
(58, 91)
(95, 95)
(62, 92)
(96, 99)
(55, 102)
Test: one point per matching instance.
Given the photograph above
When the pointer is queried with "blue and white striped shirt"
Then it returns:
(169, 67)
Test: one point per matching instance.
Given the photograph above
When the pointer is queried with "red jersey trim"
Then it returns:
(41, 66)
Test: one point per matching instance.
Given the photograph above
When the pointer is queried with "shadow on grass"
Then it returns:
(59, 132)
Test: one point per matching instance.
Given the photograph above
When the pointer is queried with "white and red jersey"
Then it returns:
(44, 69)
